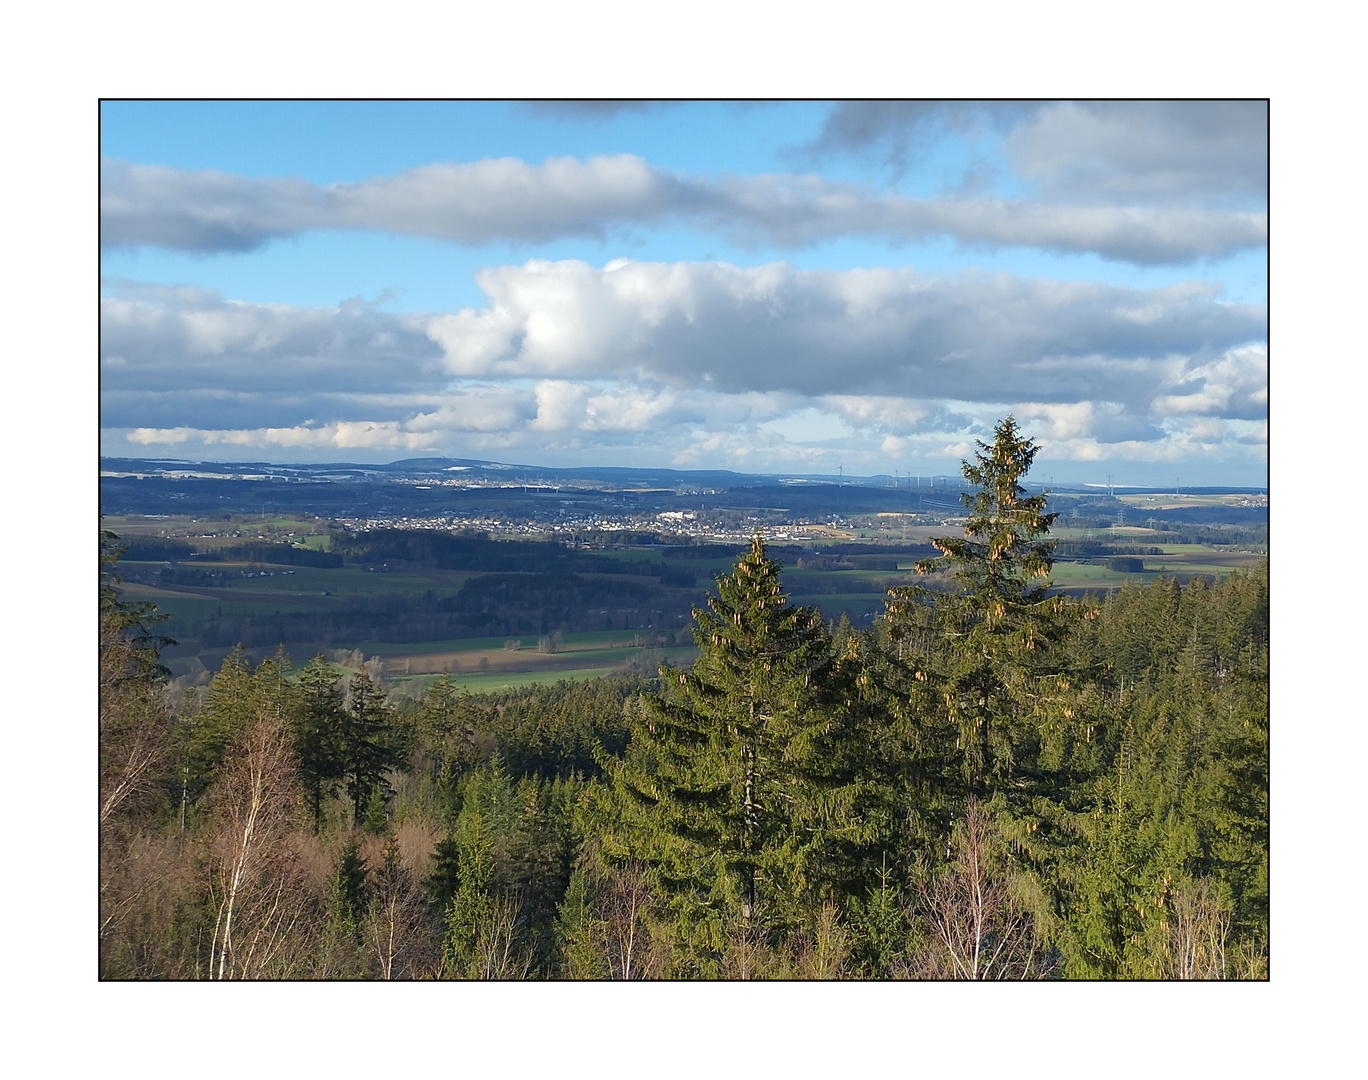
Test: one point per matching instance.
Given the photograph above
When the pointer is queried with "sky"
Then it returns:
(780, 287)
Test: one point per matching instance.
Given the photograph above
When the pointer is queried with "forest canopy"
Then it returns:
(993, 781)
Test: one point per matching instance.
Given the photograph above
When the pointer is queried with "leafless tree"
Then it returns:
(134, 733)
(747, 955)
(827, 948)
(622, 908)
(496, 946)
(394, 921)
(256, 878)
(134, 724)
(979, 927)
(146, 885)
(1198, 927)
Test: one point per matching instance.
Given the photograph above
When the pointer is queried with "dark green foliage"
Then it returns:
(130, 620)
(551, 731)
(881, 927)
(1170, 788)
(511, 604)
(441, 884)
(369, 743)
(319, 720)
(236, 697)
(745, 788)
(992, 671)
(349, 883)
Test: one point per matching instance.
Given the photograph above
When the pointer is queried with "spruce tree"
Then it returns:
(130, 621)
(237, 697)
(368, 742)
(736, 789)
(319, 720)
(992, 674)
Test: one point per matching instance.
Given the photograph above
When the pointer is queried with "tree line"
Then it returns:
(992, 781)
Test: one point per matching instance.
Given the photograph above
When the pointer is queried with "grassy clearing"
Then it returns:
(506, 661)
(1072, 573)
(483, 683)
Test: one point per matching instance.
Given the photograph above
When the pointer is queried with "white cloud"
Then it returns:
(1234, 384)
(509, 199)
(343, 435)
(878, 412)
(156, 337)
(880, 332)
(696, 363)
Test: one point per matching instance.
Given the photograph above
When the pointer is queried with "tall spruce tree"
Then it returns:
(368, 742)
(736, 788)
(991, 674)
(318, 727)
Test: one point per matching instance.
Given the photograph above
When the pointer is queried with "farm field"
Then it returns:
(612, 609)
(414, 685)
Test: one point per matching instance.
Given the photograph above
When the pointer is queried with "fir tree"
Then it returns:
(236, 698)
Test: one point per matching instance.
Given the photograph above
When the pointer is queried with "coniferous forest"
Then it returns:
(994, 781)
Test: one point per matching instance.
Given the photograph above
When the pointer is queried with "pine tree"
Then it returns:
(349, 882)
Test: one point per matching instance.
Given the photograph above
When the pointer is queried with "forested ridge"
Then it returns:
(993, 781)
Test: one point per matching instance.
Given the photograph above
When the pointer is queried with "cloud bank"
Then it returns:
(509, 199)
(1192, 152)
(697, 363)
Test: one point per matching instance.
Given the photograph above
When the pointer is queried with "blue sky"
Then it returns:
(779, 287)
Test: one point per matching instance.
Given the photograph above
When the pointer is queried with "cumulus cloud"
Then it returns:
(695, 363)
(883, 331)
(1234, 385)
(509, 199)
(152, 337)
(1095, 421)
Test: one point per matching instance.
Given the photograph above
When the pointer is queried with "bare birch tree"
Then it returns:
(497, 951)
(1198, 927)
(133, 725)
(256, 881)
(623, 907)
(394, 921)
(979, 927)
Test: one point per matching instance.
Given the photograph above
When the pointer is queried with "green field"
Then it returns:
(209, 591)
(413, 685)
